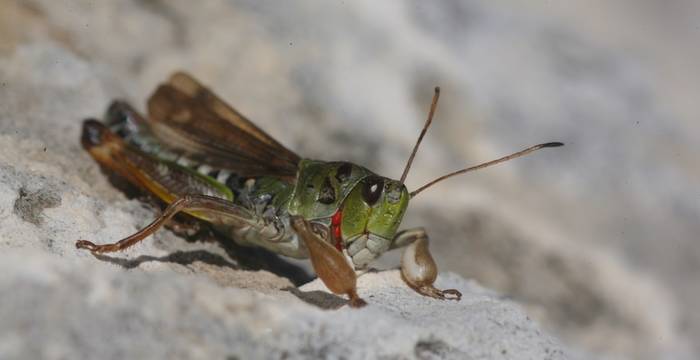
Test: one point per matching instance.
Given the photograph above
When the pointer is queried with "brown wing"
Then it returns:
(188, 117)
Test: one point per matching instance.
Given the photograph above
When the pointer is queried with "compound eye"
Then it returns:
(372, 189)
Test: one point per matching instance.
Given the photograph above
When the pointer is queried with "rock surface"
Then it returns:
(52, 310)
(596, 240)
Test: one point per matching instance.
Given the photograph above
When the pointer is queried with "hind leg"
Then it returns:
(185, 190)
(218, 210)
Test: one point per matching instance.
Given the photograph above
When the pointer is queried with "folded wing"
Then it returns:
(188, 117)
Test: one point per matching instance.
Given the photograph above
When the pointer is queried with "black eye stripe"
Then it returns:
(372, 189)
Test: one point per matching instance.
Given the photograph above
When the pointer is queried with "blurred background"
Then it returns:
(598, 239)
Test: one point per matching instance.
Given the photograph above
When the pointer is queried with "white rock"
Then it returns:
(53, 308)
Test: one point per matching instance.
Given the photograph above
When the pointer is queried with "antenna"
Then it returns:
(484, 165)
(433, 106)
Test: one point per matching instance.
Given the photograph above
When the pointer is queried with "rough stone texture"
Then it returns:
(597, 240)
(115, 315)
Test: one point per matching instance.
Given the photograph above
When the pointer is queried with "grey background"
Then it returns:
(598, 239)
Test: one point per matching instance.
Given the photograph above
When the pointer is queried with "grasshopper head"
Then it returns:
(372, 212)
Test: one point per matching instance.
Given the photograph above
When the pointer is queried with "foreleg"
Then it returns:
(330, 265)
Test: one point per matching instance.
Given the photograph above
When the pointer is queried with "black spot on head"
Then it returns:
(327, 194)
(372, 189)
(343, 173)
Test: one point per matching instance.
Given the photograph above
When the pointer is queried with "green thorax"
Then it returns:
(322, 186)
(367, 203)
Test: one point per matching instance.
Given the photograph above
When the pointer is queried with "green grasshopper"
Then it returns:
(203, 158)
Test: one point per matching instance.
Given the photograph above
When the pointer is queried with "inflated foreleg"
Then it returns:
(330, 265)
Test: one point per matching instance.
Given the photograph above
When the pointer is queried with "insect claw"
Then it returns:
(86, 245)
(433, 292)
(456, 295)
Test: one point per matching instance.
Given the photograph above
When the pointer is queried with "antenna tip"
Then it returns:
(553, 144)
(437, 89)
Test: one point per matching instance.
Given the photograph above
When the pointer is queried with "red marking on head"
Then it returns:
(335, 230)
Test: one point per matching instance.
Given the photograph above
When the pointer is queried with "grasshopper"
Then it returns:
(202, 157)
